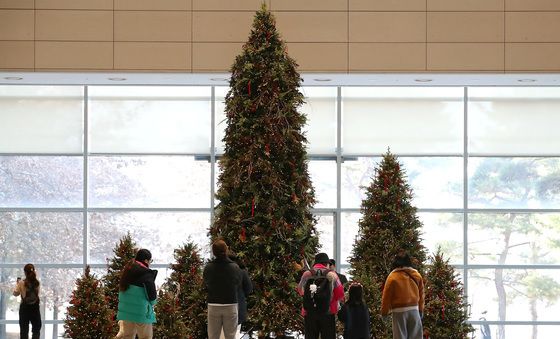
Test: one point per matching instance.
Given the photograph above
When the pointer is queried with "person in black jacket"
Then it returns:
(222, 278)
(137, 296)
(342, 277)
(354, 314)
(245, 288)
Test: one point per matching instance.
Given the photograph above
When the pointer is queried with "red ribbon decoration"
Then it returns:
(243, 234)
(249, 87)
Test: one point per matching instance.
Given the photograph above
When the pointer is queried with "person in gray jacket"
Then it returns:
(245, 288)
(222, 278)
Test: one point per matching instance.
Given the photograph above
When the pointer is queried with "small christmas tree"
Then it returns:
(446, 311)
(124, 252)
(88, 316)
(388, 224)
(185, 286)
(170, 323)
(265, 191)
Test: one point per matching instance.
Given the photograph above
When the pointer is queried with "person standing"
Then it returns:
(222, 278)
(354, 314)
(137, 297)
(342, 277)
(403, 296)
(320, 320)
(29, 311)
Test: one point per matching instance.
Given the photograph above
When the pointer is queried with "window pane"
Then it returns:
(221, 122)
(514, 238)
(41, 237)
(348, 234)
(514, 120)
(56, 286)
(41, 181)
(145, 119)
(444, 230)
(323, 177)
(436, 182)
(320, 109)
(149, 181)
(41, 119)
(514, 182)
(524, 292)
(160, 232)
(517, 331)
(325, 227)
(406, 119)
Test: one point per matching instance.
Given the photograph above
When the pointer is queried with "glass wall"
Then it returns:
(82, 166)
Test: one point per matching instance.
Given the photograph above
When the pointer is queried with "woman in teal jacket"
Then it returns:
(137, 297)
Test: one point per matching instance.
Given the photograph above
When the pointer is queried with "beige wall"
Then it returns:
(322, 35)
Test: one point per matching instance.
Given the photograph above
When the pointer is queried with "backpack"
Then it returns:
(31, 297)
(317, 293)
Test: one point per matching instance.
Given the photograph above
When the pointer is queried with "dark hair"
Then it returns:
(219, 248)
(402, 259)
(355, 294)
(143, 254)
(332, 262)
(30, 276)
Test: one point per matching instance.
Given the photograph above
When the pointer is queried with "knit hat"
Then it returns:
(321, 258)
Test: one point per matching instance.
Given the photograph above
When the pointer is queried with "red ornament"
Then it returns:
(243, 235)
(249, 87)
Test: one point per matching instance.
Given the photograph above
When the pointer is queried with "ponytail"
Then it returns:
(30, 276)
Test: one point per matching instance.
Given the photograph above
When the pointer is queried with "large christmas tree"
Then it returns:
(89, 316)
(265, 192)
(124, 251)
(181, 311)
(446, 311)
(388, 224)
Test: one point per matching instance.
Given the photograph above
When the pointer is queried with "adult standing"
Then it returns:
(137, 297)
(342, 277)
(245, 288)
(403, 296)
(222, 278)
(29, 311)
(321, 323)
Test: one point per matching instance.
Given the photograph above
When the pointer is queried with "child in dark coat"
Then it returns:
(354, 314)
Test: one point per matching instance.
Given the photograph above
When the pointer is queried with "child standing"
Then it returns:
(354, 314)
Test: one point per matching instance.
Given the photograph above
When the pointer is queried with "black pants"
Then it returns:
(29, 314)
(320, 324)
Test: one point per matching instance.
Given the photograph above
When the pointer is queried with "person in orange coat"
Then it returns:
(403, 296)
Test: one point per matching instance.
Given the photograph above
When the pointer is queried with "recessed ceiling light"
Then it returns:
(322, 79)
(423, 80)
(117, 79)
(526, 80)
(219, 79)
(13, 78)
